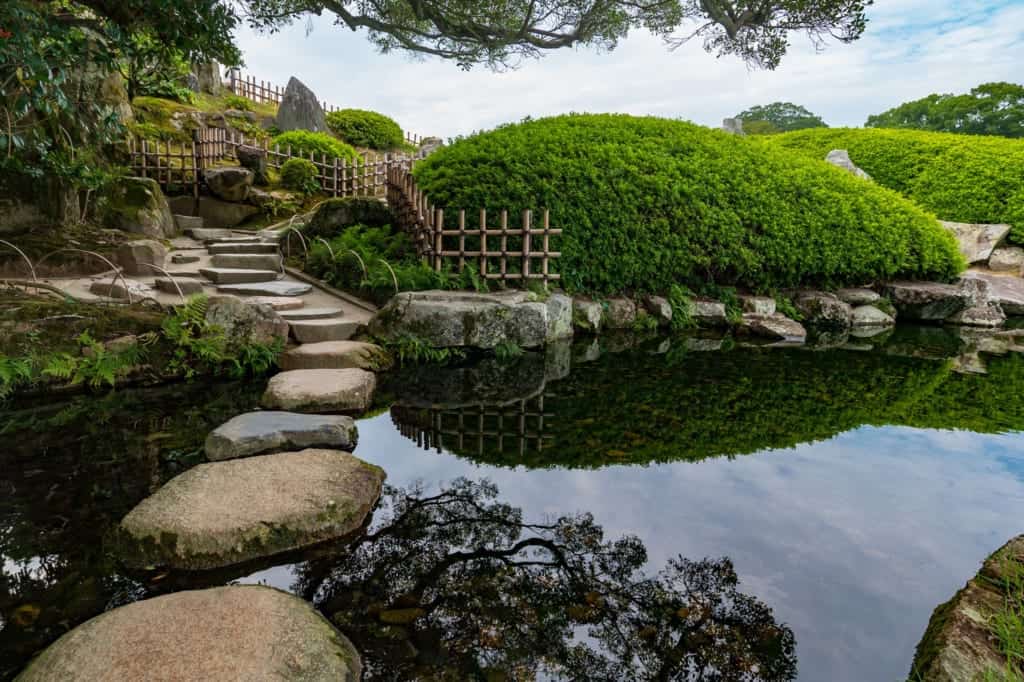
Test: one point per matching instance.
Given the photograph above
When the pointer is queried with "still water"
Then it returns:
(768, 513)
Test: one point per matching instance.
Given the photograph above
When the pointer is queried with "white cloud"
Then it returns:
(911, 48)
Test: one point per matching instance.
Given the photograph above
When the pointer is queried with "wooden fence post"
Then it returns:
(527, 224)
(438, 238)
(483, 242)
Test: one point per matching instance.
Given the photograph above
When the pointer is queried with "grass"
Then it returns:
(1007, 625)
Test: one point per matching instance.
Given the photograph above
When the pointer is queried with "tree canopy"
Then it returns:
(778, 117)
(989, 109)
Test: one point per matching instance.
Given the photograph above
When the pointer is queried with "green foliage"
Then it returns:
(334, 216)
(784, 304)
(645, 203)
(989, 109)
(321, 145)
(413, 350)
(300, 175)
(366, 129)
(508, 350)
(779, 117)
(1007, 624)
(238, 103)
(971, 179)
(680, 299)
(14, 374)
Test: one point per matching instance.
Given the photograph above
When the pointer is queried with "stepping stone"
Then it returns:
(183, 259)
(239, 632)
(206, 233)
(229, 239)
(337, 355)
(258, 432)
(224, 513)
(277, 303)
(320, 390)
(312, 313)
(187, 285)
(332, 329)
(276, 288)
(220, 249)
(252, 261)
(187, 223)
(237, 275)
(120, 288)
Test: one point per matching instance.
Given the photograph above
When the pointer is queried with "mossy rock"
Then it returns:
(139, 206)
(333, 216)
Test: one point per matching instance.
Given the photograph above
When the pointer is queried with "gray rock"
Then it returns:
(990, 315)
(186, 286)
(334, 216)
(320, 331)
(659, 308)
(587, 314)
(857, 296)
(221, 249)
(976, 241)
(620, 313)
(184, 259)
(775, 326)
(224, 513)
(229, 184)
(320, 390)
(208, 77)
(758, 305)
(300, 109)
(928, 300)
(841, 159)
(256, 433)
(187, 222)
(215, 212)
(703, 345)
(237, 275)
(337, 355)
(868, 316)
(274, 289)
(559, 317)
(1007, 259)
(138, 205)
(251, 261)
(119, 288)
(707, 313)
(825, 310)
(136, 257)
(246, 322)
(238, 632)
(205, 234)
(733, 126)
(1006, 290)
(255, 160)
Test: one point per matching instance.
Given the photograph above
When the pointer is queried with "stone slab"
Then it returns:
(312, 314)
(256, 433)
(280, 304)
(337, 355)
(320, 390)
(237, 275)
(1005, 290)
(186, 285)
(204, 234)
(275, 289)
(121, 289)
(255, 248)
(977, 241)
(184, 258)
(187, 223)
(249, 261)
(317, 331)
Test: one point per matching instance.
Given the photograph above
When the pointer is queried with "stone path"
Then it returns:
(320, 390)
(256, 433)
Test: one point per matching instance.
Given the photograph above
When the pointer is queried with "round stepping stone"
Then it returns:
(276, 288)
(258, 432)
(188, 286)
(312, 314)
(237, 275)
(224, 513)
(337, 355)
(330, 329)
(320, 390)
(234, 633)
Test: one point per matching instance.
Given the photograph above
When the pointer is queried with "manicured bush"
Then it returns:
(971, 179)
(646, 203)
(366, 129)
(238, 103)
(299, 175)
(303, 143)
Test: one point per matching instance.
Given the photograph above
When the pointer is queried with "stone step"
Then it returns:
(233, 240)
(320, 390)
(248, 261)
(259, 247)
(207, 233)
(184, 258)
(186, 223)
(330, 329)
(278, 303)
(275, 289)
(256, 433)
(237, 275)
(337, 355)
(312, 313)
(186, 285)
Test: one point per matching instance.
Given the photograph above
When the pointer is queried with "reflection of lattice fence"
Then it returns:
(515, 428)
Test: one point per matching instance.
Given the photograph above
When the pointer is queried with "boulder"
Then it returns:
(245, 322)
(559, 317)
(825, 310)
(333, 216)
(337, 355)
(229, 184)
(659, 308)
(1007, 259)
(990, 315)
(620, 313)
(136, 257)
(208, 77)
(1006, 290)
(841, 159)
(776, 326)
(256, 433)
(300, 109)
(733, 126)
(225, 513)
(587, 314)
(708, 313)
(186, 223)
(929, 300)
(976, 241)
(324, 330)
(119, 288)
(453, 319)
(138, 205)
(868, 317)
(320, 390)
(857, 296)
(255, 160)
(758, 305)
(216, 214)
(184, 258)
(238, 632)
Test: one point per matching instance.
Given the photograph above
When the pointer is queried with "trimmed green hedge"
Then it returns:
(366, 129)
(966, 178)
(304, 142)
(646, 203)
(300, 175)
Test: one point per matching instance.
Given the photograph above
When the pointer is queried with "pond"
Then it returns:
(769, 513)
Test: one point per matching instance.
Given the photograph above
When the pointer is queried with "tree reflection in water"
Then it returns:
(458, 586)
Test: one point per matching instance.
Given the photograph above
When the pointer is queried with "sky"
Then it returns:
(911, 48)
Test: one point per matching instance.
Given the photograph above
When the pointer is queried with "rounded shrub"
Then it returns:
(966, 178)
(300, 175)
(366, 129)
(646, 203)
(304, 143)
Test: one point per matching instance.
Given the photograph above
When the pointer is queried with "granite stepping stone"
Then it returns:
(276, 288)
(249, 248)
(330, 329)
(252, 261)
(234, 633)
(256, 433)
(337, 355)
(279, 303)
(224, 513)
(312, 314)
(237, 275)
(320, 390)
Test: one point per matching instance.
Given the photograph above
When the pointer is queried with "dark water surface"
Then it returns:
(767, 513)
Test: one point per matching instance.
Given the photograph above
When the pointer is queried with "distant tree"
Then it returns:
(989, 109)
(778, 117)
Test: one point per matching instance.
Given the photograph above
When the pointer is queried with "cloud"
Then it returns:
(912, 48)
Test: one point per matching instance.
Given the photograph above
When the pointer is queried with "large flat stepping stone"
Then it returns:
(184, 258)
(224, 513)
(221, 249)
(205, 234)
(278, 303)
(229, 634)
(120, 288)
(252, 261)
(256, 433)
(231, 239)
(186, 285)
(331, 329)
(320, 390)
(337, 355)
(276, 288)
(237, 275)
(312, 314)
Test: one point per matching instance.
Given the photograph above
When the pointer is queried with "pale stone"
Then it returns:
(707, 313)
(337, 355)
(300, 109)
(620, 313)
(990, 315)
(119, 288)
(247, 261)
(186, 286)
(237, 275)
(977, 241)
(246, 322)
(841, 159)
(587, 314)
(229, 184)
(1005, 290)
(256, 433)
(822, 309)
(928, 300)
(775, 326)
(135, 258)
(857, 296)
(273, 289)
(659, 308)
(321, 390)
(868, 316)
(319, 331)
(758, 305)
(1007, 259)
